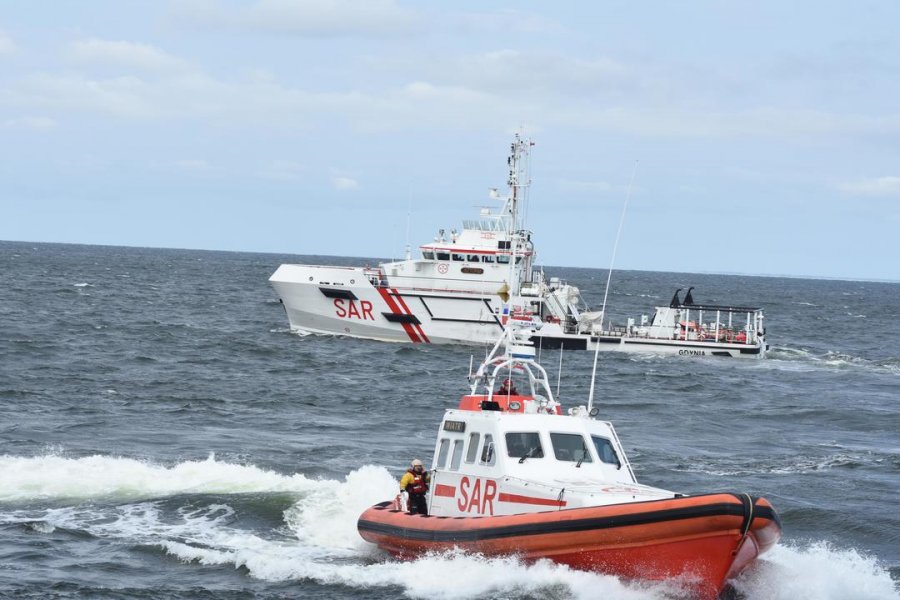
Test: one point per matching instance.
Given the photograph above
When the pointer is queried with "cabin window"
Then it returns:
(524, 444)
(518, 259)
(443, 256)
(503, 259)
(459, 258)
(442, 454)
(487, 452)
(472, 452)
(570, 447)
(428, 255)
(457, 455)
(474, 258)
(605, 451)
(487, 258)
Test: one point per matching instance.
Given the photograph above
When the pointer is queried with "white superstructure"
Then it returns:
(513, 451)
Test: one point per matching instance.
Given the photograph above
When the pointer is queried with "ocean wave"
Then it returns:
(317, 539)
(783, 356)
(788, 465)
(55, 477)
(817, 570)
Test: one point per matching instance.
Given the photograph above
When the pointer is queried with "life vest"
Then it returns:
(418, 485)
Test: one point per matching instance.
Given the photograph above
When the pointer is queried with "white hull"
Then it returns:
(346, 301)
(343, 301)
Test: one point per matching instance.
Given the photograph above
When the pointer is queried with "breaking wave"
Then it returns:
(799, 358)
(817, 570)
(838, 458)
(316, 538)
(54, 477)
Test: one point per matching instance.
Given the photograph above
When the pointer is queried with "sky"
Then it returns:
(764, 136)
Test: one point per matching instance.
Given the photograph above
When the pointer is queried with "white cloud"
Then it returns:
(594, 188)
(344, 184)
(120, 96)
(506, 70)
(589, 187)
(282, 170)
(875, 186)
(422, 103)
(687, 122)
(7, 46)
(194, 164)
(131, 55)
(32, 123)
(312, 18)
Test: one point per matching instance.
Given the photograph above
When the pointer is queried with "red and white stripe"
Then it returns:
(399, 307)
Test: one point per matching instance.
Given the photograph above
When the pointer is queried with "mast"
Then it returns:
(519, 183)
(514, 346)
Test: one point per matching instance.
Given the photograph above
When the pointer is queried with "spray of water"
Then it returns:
(124, 499)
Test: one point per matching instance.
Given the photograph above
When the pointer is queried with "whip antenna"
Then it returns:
(608, 278)
(408, 220)
(562, 347)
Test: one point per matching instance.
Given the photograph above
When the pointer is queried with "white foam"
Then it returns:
(819, 571)
(318, 541)
(787, 465)
(446, 576)
(327, 514)
(42, 527)
(796, 359)
(58, 477)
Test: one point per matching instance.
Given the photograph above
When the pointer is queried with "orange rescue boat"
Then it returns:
(704, 540)
(516, 475)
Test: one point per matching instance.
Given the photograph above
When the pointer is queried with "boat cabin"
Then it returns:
(686, 320)
(514, 454)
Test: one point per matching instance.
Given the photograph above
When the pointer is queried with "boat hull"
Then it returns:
(633, 344)
(703, 540)
(344, 301)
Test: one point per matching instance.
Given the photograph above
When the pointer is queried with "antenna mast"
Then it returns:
(612, 261)
(408, 220)
(518, 182)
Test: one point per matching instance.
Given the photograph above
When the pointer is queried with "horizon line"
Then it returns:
(730, 274)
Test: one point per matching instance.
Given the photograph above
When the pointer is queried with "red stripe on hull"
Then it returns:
(517, 499)
(448, 491)
(414, 338)
(409, 312)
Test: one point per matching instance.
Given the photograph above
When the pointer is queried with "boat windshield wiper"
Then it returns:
(578, 464)
(531, 452)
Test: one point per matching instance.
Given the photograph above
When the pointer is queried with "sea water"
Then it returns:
(164, 435)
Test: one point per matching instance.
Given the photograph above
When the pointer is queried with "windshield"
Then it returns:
(605, 451)
(570, 447)
(524, 445)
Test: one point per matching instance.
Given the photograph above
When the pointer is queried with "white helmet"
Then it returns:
(416, 463)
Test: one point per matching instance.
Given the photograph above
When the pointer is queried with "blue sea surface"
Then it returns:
(164, 435)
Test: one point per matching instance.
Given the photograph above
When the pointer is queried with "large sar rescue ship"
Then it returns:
(515, 474)
(454, 294)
